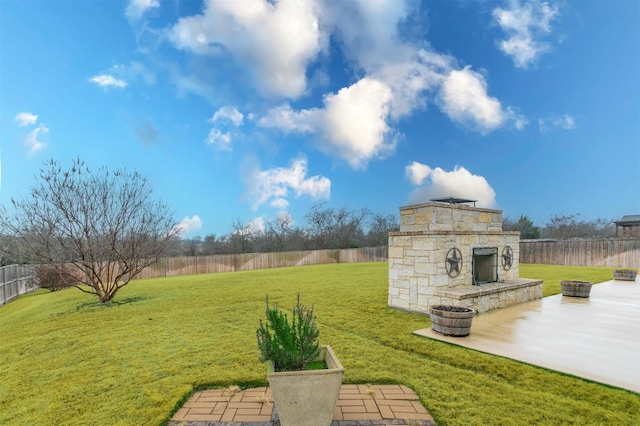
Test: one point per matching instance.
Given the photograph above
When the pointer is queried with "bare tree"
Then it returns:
(602, 227)
(379, 228)
(561, 227)
(319, 227)
(277, 233)
(334, 229)
(104, 226)
(565, 226)
(212, 245)
(11, 250)
(192, 246)
(241, 239)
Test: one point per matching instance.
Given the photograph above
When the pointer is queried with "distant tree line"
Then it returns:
(331, 228)
(334, 228)
(324, 228)
(561, 227)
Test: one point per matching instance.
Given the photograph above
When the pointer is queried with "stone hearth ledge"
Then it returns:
(505, 294)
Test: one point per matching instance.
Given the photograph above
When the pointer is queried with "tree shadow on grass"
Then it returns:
(96, 304)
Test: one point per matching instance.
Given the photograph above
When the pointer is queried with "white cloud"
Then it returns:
(412, 79)
(274, 41)
(413, 72)
(106, 81)
(519, 121)
(280, 204)
(33, 140)
(368, 30)
(456, 183)
(274, 185)
(136, 8)
(370, 36)
(354, 122)
(189, 224)
(417, 172)
(524, 25)
(464, 99)
(256, 225)
(133, 71)
(118, 75)
(565, 122)
(228, 113)
(286, 119)
(196, 83)
(26, 119)
(352, 125)
(219, 140)
(396, 75)
(253, 227)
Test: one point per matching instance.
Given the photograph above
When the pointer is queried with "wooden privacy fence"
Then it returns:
(16, 280)
(614, 252)
(188, 265)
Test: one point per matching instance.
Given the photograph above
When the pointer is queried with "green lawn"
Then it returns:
(66, 359)
(552, 275)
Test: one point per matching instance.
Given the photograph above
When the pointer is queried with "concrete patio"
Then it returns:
(596, 338)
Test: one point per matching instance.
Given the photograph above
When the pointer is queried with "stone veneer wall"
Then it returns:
(417, 271)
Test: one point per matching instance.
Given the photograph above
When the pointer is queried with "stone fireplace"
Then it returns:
(484, 265)
(448, 252)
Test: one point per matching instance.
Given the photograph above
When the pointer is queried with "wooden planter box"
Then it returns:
(451, 320)
(625, 274)
(576, 288)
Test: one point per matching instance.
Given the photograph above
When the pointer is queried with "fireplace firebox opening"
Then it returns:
(485, 265)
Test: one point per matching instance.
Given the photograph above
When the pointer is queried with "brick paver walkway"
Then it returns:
(357, 405)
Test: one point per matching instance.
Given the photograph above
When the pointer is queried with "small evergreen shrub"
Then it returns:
(289, 345)
(54, 277)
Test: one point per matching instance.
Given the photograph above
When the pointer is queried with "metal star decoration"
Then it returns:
(453, 262)
(507, 257)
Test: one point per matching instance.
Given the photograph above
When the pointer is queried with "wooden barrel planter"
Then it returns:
(451, 320)
(576, 288)
(625, 274)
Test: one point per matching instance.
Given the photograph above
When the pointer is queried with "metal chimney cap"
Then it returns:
(453, 200)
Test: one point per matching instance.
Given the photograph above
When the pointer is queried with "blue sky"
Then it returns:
(250, 109)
